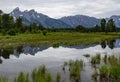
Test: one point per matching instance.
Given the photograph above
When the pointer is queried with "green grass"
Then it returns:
(55, 38)
(96, 59)
(109, 71)
(3, 79)
(75, 68)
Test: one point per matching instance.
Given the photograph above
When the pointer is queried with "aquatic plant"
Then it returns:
(65, 64)
(75, 69)
(104, 71)
(58, 77)
(49, 78)
(86, 55)
(114, 73)
(41, 75)
(96, 59)
(109, 72)
(105, 59)
(22, 78)
(95, 75)
(113, 60)
(3, 79)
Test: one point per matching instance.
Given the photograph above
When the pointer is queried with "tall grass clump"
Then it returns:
(65, 64)
(3, 79)
(113, 60)
(75, 68)
(105, 59)
(22, 78)
(96, 59)
(111, 71)
(104, 72)
(41, 75)
(58, 77)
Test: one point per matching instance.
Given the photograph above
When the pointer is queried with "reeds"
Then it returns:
(3, 79)
(41, 75)
(75, 68)
(110, 71)
(96, 59)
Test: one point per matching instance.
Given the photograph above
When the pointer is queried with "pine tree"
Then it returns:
(103, 25)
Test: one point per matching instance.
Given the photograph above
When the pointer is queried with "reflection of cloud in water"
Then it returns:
(51, 57)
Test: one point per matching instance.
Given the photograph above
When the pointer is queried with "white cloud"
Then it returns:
(59, 8)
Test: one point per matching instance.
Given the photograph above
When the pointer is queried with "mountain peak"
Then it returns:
(32, 11)
(16, 9)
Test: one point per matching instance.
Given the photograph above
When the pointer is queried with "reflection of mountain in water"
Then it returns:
(117, 43)
(81, 46)
(29, 50)
(5, 53)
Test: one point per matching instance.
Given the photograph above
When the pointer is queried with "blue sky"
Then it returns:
(60, 8)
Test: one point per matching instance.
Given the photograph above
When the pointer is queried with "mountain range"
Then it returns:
(67, 21)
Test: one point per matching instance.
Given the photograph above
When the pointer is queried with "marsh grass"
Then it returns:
(65, 64)
(75, 68)
(55, 39)
(105, 59)
(58, 77)
(110, 71)
(95, 76)
(41, 75)
(3, 79)
(96, 59)
(86, 55)
(22, 78)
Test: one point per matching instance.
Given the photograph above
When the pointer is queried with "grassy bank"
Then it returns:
(55, 38)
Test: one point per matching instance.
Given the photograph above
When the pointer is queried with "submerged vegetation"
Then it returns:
(3, 79)
(107, 70)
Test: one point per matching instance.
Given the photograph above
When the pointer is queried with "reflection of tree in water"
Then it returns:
(19, 49)
(0, 61)
(5, 53)
(110, 43)
(103, 44)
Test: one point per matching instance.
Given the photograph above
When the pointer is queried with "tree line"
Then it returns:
(11, 26)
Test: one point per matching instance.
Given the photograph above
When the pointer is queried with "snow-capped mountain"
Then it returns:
(69, 21)
(39, 18)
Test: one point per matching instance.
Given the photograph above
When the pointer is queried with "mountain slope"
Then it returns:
(80, 20)
(116, 19)
(69, 21)
(32, 16)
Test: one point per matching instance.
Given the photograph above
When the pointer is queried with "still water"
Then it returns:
(26, 58)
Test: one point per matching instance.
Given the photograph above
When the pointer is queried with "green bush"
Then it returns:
(44, 32)
(11, 32)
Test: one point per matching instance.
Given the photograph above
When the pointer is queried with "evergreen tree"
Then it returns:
(19, 23)
(103, 25)
(1, 12)
(5, 21)
(110, 26)
(1, 18)
(11, 22)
